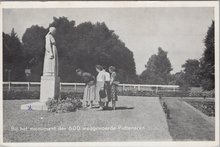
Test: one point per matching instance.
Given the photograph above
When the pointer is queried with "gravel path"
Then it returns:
(135, 119)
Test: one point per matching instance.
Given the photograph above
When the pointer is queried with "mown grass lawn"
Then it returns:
(131, 112)
(186, 124)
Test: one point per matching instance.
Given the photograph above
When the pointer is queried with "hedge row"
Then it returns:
(10, 95)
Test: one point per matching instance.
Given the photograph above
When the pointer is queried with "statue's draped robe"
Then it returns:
(50, 65)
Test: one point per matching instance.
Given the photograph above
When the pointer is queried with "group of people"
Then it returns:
(101, 89)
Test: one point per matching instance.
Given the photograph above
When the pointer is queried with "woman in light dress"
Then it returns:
(89, 92)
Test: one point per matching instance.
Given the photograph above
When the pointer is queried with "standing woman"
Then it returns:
(100, 83)
(114, 82)
(89, 92)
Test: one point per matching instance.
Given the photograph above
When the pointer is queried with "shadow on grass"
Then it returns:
(118, 108)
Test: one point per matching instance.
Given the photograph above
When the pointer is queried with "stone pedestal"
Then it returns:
(34, 106)
(49, 88)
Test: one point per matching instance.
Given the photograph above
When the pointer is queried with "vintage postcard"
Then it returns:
(104, 73)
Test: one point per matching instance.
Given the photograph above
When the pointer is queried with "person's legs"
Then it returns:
(85, 96)
(91, 102)
(100, 105)
(86, 103)
(113, 104)
(106, 105)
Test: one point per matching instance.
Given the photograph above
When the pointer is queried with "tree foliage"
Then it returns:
(82, 46)
(192, 72)
(13, 57)
(158, 69)
(207, 62)
(88, 44)
(200, 72)
(179, 79)
(33, 47)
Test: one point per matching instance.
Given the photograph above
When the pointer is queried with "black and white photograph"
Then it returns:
(110, 73)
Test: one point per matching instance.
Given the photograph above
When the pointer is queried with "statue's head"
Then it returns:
(52, 30)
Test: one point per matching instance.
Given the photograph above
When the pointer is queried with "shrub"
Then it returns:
(63, 105)
(165, 107)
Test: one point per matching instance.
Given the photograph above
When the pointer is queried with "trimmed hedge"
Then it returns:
(13, 95)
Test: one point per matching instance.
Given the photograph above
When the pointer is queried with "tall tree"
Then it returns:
(179, 79)
(89, 44)
(12, 58)
(158, 69)
(83, 46)
(34, 47)
(208, 60)
(192, 72)
(66, 40)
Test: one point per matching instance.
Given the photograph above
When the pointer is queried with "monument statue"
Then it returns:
(51, 56)
(50, 81)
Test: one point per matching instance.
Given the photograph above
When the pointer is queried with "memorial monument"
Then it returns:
(50, 81)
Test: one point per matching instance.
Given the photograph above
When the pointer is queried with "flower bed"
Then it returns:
(210, 94)
(64, 105)
(153, 93)
(165, 107)
(207, 107)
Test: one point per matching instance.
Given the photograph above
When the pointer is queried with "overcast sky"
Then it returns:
(179, 31)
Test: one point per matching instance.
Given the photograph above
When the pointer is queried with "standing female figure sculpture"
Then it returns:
(51, 55)
(50, 81)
